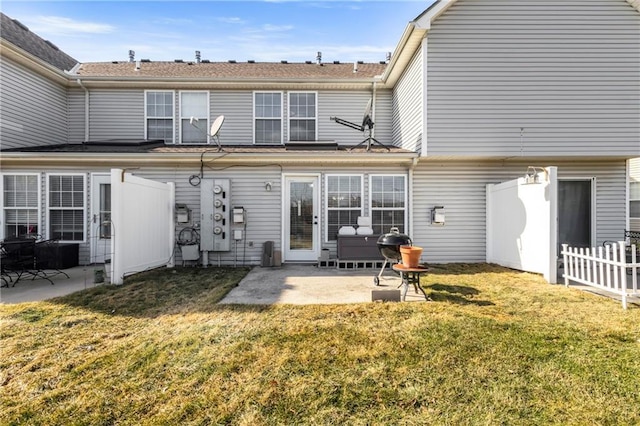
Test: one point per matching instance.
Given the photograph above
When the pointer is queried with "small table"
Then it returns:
(410, 276)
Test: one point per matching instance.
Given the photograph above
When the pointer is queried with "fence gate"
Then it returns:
(522, 223)
(143, 226)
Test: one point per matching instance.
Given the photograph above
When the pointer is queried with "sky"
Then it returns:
(264, 31)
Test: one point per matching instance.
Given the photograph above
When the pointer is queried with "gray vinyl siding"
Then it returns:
(33, 109)
(460, 188)
(237, 108)
(347, 105)
(408, 106)
(566, 72)
(383, 130)
(115, 114)
(76, 108)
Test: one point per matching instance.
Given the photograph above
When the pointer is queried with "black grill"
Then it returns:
(389, 244)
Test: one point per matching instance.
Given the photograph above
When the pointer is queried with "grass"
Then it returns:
(494, 347)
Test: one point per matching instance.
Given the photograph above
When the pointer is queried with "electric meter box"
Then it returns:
(215, 207)
(182, 213)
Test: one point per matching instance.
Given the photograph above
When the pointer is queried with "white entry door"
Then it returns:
(100, 223)
(301, 218)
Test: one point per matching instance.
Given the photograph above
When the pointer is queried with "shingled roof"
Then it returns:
(233, 70)
(16, 33)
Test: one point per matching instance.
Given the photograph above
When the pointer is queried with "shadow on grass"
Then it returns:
(189, 290)
(159, 292)
(458, 294)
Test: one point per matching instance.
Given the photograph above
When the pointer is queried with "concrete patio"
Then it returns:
(289, 284)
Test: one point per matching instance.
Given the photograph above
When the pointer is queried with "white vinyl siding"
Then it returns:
(267, 110)
(408, 106)
(303, 107)
(194, 117)
(388, 203)
(159, 113)
(565, 72)
(66, 202)
(20, 205)
(33, 109)
(344, 202)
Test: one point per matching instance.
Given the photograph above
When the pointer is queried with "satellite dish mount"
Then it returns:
(215, 129)
(367, 125)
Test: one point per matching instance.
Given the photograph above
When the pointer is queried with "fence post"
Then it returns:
(623, 274)
(565, 258)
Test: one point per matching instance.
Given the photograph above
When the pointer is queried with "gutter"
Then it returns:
(86, 110)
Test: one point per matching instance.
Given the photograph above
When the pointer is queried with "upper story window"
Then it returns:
(388, 203)
(634, 200)
(194, 117)
(159, 115)
(267, 112)
(302, 116)
(20, 205)
(66, 207)
(344, 202)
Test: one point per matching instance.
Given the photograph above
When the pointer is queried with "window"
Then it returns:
(388, 201)
(159, 115)
(65, 204)
(302, 116)
(268, 117)
(344, 203)
(20, 205)
(194, 117)
(634, 200)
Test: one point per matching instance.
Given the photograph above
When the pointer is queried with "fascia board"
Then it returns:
(173, 159)
(37, 65)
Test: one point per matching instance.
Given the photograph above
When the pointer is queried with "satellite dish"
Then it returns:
(215, 129)
(217, 124)
(193, 120)
(367, 124)
(366, 119)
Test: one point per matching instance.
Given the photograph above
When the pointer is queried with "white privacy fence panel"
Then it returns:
(521, 224)
(143, 225)
(613, 268)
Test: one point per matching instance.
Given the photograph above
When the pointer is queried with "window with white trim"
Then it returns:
(267, 113)
(20, 205)
(302, 116)
(159, 115)
(194, 117)
(66, 207)
(344, 202)
(634, 200)
(388, 203)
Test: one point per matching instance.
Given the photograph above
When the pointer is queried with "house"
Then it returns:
(475, 92)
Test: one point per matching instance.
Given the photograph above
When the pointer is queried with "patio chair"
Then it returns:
(18, 258)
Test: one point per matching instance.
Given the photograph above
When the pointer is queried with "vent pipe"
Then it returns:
(319, 58)
(388, 57)
(198, 57)
(132, 56)
(355, 67)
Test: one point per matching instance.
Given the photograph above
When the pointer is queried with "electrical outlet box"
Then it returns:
(237, 234)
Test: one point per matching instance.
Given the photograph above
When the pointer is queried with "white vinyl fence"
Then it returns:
(613, 268)
(143, 226)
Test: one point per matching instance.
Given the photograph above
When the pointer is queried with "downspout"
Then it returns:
(86, 110)
(410, 196)
(373, 109)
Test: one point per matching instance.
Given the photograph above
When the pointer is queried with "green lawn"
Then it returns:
(494, 347)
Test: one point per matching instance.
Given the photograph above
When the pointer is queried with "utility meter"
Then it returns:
(215, 208)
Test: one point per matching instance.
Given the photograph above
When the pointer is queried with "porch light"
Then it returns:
(533, 175)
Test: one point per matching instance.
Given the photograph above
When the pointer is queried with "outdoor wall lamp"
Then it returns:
(533, 175)
(267, 186)
(437, 215)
